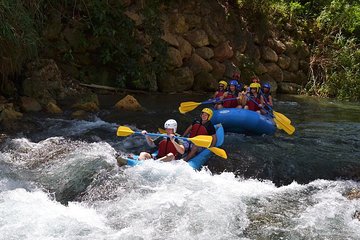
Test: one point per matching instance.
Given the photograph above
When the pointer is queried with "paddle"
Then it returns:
(280, 123)
(200, 140)
(276, 114)
(189, 106)
(218, 151)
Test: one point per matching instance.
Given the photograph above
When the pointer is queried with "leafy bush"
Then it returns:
(335, 70)
(18, 37)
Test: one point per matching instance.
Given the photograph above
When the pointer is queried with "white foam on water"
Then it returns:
(33, 215)
(78, 127)
(157, 200)
(330, 214)
(172, 201)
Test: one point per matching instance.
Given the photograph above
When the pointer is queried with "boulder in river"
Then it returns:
(353, 194)
(129, 103)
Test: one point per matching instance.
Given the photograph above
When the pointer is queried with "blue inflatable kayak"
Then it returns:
(244, 121)
(196, 162)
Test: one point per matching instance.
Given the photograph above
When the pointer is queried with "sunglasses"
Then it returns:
(221, 86)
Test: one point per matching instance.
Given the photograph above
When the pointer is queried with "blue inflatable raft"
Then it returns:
(196, 162)
(244, 121)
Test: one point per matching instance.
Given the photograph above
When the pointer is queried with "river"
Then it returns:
(62, 182)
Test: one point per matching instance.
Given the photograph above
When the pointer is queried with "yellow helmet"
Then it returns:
(208, 111)
(223, 83)
(255, 85)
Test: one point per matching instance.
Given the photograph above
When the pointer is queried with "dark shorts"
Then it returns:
(188, 146)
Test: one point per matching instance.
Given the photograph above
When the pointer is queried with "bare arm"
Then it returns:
(214, 96)
(270, 101)
(179, 147)
(149, 140)
(214, 140)
(262, 99)
(224, 95)
(187, 131)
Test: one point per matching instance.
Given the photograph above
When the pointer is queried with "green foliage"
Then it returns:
(333, 28)
(18, 37)
(340, 16)
(336, 70)
(120, 44)
(121, 41)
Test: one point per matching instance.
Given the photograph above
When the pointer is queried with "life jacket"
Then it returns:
(231, 103)
(165, 147)
(250, 103)
(219, 94)
(198, 129)
(266, 97)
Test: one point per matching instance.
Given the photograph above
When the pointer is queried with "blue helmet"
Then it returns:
(267, 85)
(234, 82)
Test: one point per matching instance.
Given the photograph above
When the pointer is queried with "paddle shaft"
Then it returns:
(218, 151)
(161, 135)
(266, 103)
(276, 114)
(288, 128)
(165, 135)
(270, 113)
(216, 100)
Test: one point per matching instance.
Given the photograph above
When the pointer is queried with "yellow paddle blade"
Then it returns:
(282, 117)
(185, 104)
(123, 131)
(161, 130)
(288, 128)
(182, 111)
(218, 151)
(188, 106)
(277, 125)
(201, 140)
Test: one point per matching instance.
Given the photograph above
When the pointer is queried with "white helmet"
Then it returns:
(171, 123)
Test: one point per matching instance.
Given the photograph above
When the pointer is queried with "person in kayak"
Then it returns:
(200, 127)
(233, 92)
(219, 93)
(168, 148)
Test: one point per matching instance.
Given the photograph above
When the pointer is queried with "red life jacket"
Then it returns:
(198, 129)
(231, 103)
(219, 94)
(165, 147)
(253, 106)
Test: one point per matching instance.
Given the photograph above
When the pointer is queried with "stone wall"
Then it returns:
(205, 46)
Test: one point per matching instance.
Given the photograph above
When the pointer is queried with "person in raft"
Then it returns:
(253, 101)
(203, 126)
(233, 92)
(266, 98)
(219, 93)
(168, 147)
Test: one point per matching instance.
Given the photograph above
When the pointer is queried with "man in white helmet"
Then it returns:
(168, 148)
